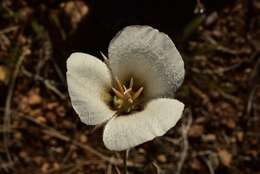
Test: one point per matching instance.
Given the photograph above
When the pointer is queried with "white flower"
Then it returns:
(133, 92)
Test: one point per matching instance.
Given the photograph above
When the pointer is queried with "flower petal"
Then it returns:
(150, 56)
(127, 131)
(88, 79)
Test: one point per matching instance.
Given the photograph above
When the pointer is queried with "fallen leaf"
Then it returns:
(230, 123)
(196, 131)
(45, 167)
(209, 137)
(4, 74)
(196, 164)
(76, 11)
(225, 157)
(34, 99)
(41, 120)
(162, 158)
(240, 136)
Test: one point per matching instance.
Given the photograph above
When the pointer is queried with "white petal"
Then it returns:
(88, 79)
(150, 56)
(127, 131)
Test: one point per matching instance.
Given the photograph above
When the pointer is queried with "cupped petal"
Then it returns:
(156, 119)
(88, 80)
(150, 56)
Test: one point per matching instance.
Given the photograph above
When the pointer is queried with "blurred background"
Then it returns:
(219, 132)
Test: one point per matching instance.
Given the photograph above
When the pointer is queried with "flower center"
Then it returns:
(125, 99)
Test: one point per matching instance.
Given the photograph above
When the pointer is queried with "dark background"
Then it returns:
(219, 42)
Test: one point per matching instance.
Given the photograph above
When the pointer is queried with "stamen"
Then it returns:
(130, 100)
(138, 93)
(120, 87)
(128, 95)
(124, 99)
(124, 88)
(118, 94)
(127, 91)
(131, 82)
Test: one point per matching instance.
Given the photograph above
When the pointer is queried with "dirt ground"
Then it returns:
(219, 132)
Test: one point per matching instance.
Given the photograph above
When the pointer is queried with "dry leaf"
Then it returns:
(162, 158)
(209, 138)
(240, 136)
(196, 164)
(196, 131)
(76, 10)
(230, 123)
(4, 74)
(41, 120)
(45, 167)
(34, 98)
(225, 157)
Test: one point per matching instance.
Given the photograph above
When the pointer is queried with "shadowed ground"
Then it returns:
(219, 131)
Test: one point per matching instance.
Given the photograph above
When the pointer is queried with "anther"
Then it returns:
(138, 93)
(131, 82)
(120, 87)
(118, 94)
(126, 95)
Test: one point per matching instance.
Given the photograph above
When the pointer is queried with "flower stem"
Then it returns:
(125, 161)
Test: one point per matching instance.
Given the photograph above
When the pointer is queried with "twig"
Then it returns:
(209, 165)
(218, 47)
(44, 53)
(185, 129)
(253, 84)
(117, 170)
(229, 97)
(202, 153)
(230, 68)
(5, 166)
(68, 154)
(158, 170)
(55, 133)
(9, 29)
(109, 169)
(125, 160)
(72, 168)
(59, 71)
(172, 140)
(7, 112)
(250, 101)
(47, 83)
(202, 95)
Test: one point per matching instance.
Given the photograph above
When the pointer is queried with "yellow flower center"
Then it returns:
(125, 98)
